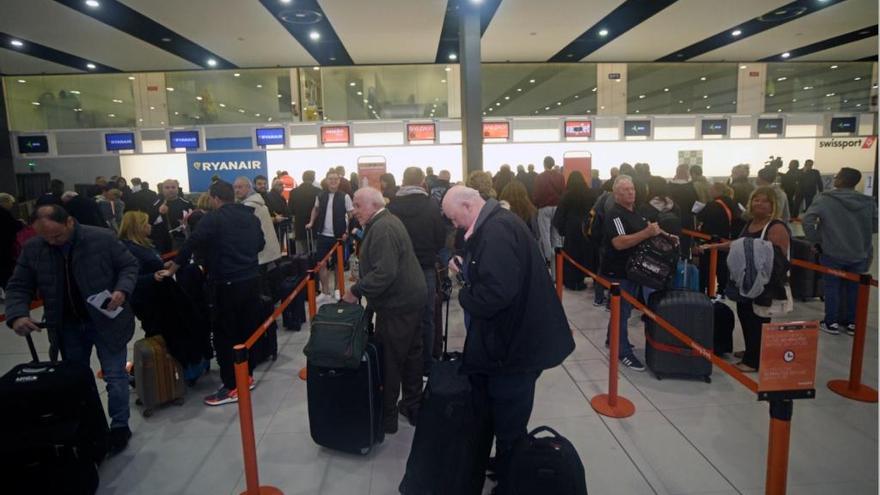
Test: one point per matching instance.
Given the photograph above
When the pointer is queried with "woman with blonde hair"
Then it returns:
(134, 232)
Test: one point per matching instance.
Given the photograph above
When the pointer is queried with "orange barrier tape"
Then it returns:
(601, 281)
(275, 314)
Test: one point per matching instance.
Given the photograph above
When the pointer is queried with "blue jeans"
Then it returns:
(77, 341)
(428, 319)
(625, 311)
(834, 286)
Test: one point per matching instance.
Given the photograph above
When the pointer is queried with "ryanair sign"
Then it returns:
(227, 165)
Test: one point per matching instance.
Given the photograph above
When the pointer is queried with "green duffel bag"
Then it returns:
(338, 336)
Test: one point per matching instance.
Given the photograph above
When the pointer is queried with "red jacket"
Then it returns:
(548, 188)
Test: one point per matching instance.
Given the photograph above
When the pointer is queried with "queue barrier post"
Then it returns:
(777, 451)
(246, 419)
(854, 388)
(340, 268)
(559, 278)
(611, 404)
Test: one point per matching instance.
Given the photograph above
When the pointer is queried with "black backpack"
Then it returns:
(594, 220)
(544, 465)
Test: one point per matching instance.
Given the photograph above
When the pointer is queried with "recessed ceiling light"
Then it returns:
(807, 88)
(531, 81)
(166, 40)
(212, 62)
(91, 66)
(35, 103)
(366, 100)
(360, 93)
(197, 117)
(546, 108)
(256, 115)
(506, 98)
(115, 100)
(286, 1)
(602, 107)
(241, 110)
(316, 68)
(93, 4)
(16, 43)
(176, 113)
(794, 100)
(236, 74)
(736, 32)
(519, 90)
(783, 78)
(576, 97)
(222, 105)
(453, 56)
(833, 67)
(199, 98)
(708, 107)
(152, 107)
(314, 35)
(279, 95)
(680, 102)
(111, 115)
(131, 78)
(497, 104)
(703, 78)
(786, 55)
(447, 69)
(772, 94)
(443, 81)
(73, 91)
(858, 104)
(169, 89)
(705, 96)
(830, 94)
(641, 97)
(742, 67)
(665, 90)
(352, 83)
(603, 32)
(593, 90)
(22, 81)
(857, 79)
(558, 103)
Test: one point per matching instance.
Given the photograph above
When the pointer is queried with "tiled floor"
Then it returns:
(687, 437)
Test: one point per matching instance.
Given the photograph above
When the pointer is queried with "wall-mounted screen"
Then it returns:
(714, 127)
(118, 141)
(496, 130)
(770, 126)
(637, 128)
(578, 128)
(270, 136)
(33, 144)
(184, 139)
(335, 134)
(843, 124)
(420, 132)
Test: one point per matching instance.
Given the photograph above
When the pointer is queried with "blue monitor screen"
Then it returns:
(184, 139)
(119, 141)
(843, 124)
(637, 128)
(715, 127)
(770, 126)
(270, 136)
(33, 144)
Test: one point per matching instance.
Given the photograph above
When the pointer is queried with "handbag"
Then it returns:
(653, 262)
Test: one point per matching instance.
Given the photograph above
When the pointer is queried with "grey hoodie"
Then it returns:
(842, 221)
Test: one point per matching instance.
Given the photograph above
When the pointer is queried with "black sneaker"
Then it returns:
(118, 440)
(632, 362)
(830, 328)
(390, 428)
(411, 415)
(851, 329)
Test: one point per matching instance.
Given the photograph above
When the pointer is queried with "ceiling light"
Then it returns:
(169, 89)
(352, 83)
(35, 103)
(443, 81)
(794, 100)
(783, 78)
(703, 78)
(807, 88)
(370, 107)
(637, 111)
(546, 108)
(447, 69)
(314, 35)
(241, 110)
(576, 97)
(453, 56)
(199, 98)
(741, 67)
(152, 107)
(93, 4)
(833, 67)
(359, 93)
(22, 81)
(641, 97)
(197, 117)
(665, 90)
(286, 1)
(736, 32)
(828, 95)
(786, 55)
(256, 115)
(74, 92)
(131, 78)
(680, 102)
(857, 79)
(366, 101)
(778, 109)
(531, 81)
(772, 94)
(212, 62)
(91, 66)
(558, 103)
(269, 119)
(858, 104)
(705, 96)
(16, 43)
(484, 113)
(497, 104)
(708, 107)
(316, 68)
(506, 98)
(602, 107)
(593, 90)
(236, 74)
(116, 100)
(519, 90)
(111, 115)
(259, 86)
(223, 105)
(603, 32)
(176, 113)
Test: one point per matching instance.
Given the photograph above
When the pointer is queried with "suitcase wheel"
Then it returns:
(365, 450)
(178, 401)
(147, 413)
(707, 379)
(139, 402)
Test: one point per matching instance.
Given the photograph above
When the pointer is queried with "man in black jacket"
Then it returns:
(809, 184)
(515, 323)
(142, 198)
(84, 209)
(302, 200)
(230, 238)
(166, 217)
(424, 224)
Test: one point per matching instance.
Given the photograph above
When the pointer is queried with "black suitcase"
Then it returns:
(803, 281)
(345, 405)
(295, 314)
(545, 464)
(266, 348)
(724, 324)
(53, 427)
(453, 439)
(693, 314)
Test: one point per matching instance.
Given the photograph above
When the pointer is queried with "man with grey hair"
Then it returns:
(742, 188)
(166, 217)
(245, 194)
(624, 229)
(391, 279)
(515, 323)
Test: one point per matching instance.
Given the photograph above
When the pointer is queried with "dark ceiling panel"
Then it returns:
(774, 18)
(626, 16)
(46, 53)
(449, 33)
(843, 39)
(301, 19)
(869, 58)
(130, 21)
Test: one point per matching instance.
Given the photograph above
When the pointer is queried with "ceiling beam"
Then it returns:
(306, 21)
(44, 52)
(448, 44)
(858, 34)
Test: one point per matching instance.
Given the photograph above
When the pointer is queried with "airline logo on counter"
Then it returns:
(844, 143)
(228, 165)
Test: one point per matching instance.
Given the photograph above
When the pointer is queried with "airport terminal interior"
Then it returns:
(201, 90)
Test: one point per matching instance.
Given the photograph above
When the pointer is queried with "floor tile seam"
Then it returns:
(611, 432)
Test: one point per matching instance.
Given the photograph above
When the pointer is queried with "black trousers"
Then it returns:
(509, 400)
(722, 275)
(236, 313)
(401, 338)
(751, 327)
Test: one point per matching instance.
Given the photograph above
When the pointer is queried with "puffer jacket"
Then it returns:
(100, 262)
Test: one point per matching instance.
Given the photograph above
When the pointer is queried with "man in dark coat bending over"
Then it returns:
(516, 326)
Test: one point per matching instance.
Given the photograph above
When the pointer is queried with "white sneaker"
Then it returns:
(324, 299)
(336, 295)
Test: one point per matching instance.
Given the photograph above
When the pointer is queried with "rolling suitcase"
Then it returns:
(724, 323)
(295, 314)
(687, 276)
(453, 438)
(53, 427)
(693, 314)
(803, 281)
(158, 377)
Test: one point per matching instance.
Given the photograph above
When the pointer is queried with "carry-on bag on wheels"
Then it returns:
(344, 384)
(693, 314)
(544, 464)
(294, 314)
(453, 437)
(53, 427)
(158, 377)
(803, 281)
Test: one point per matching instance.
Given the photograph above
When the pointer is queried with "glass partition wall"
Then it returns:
(659, 88)
(818, 87)
(511, 90)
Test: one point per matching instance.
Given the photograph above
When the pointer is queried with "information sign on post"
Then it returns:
(788, 358)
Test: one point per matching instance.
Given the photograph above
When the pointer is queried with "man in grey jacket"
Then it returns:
(842, 222)
(392, 281)
(68, 262)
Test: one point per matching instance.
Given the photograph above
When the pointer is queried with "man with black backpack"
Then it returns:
(624, 229)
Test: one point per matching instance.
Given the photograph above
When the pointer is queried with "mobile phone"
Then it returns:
(105, 303)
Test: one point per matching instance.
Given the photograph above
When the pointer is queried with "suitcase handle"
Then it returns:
(544, 429)
(30, 342)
